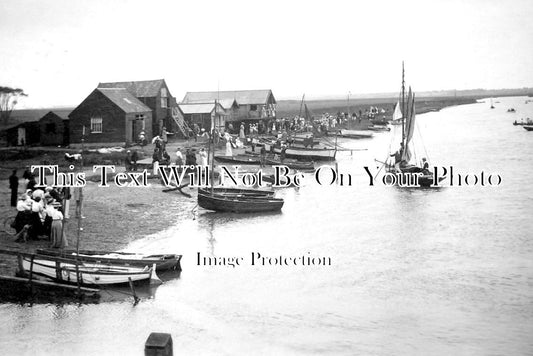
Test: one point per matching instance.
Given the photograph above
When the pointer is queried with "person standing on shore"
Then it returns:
(66, 201)
(14, 186)
(78, 200)
(127, 161)
(57, 233)
(134, 159)
(179, 157)
(263, 156)
(203, 157)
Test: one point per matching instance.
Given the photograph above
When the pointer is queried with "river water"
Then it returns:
(413, 271)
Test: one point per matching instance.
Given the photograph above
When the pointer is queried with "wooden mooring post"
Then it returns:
(158, 344)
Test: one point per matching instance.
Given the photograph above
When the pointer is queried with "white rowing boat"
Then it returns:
(64, 270)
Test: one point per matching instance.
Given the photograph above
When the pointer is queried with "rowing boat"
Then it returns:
(162, 262)
(238, 204)
(240, 159)
(66, 271)
(238, 192)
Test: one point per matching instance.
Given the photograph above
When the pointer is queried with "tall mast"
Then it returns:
(212, 139)
(301, 105)
(403, 105)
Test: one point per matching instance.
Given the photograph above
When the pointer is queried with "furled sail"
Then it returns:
(308, 116)
(409, 125)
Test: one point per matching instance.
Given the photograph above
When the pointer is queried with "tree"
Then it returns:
(8, 100)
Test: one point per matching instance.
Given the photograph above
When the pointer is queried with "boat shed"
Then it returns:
(248, 104)
(23, 134)
(203, 114)
(54, 130)
(111, 116)
(155, 95)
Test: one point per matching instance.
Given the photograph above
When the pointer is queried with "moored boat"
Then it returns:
(66, 271)
(162, 261)
(238, 192)
(306, 154)
(238, 204)
(240, 159)
(528, 127)
(355, 133)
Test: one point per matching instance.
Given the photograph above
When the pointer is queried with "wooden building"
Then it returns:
(204, 115)
(110, 115)
(23, 134)
(54, 130)
(155, 95)
(240, 105)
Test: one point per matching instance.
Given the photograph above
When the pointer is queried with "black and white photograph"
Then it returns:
(266, 177)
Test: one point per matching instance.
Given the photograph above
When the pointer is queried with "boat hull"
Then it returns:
(355, 134)
(223, 203)
(238, 192)
(307, 154)
(163, 262)
(90, 273)
(239, 159)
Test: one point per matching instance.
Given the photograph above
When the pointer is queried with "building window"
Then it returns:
(96, 125)
(50, 128)
(253, 107)
(163, 102)
(140, 117)
(163, 92)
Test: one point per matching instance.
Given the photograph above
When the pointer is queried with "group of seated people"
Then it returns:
(40, 216)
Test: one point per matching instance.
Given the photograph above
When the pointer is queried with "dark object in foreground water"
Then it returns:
(158, 344)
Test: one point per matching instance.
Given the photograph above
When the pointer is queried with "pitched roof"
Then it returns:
(62, 115)
(124, 100)
(200, 108)
(243, 97)
(141, 89)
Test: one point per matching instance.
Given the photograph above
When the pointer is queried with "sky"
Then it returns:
(58, 51)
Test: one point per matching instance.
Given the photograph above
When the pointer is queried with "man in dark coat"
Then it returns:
(14, 185)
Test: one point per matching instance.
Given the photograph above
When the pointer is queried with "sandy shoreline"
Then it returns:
(114, 218)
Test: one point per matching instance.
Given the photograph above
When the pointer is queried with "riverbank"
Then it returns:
(114, 216)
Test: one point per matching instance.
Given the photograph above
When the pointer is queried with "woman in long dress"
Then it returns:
(203, 157)
(229, 151)
(57, 233)
(241, 132)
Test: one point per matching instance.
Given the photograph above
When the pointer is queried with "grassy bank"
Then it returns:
(317, 107)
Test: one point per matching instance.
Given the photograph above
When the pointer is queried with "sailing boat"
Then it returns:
(491, 105)
(405, 165)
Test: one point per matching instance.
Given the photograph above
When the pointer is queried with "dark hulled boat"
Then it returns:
(238, 204)
(239, 159)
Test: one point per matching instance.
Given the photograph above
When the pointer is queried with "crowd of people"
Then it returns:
(41, 211)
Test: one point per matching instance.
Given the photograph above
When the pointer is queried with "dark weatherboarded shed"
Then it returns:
(155, 95)
(26, 133)
(111, 116)
(54, 130)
